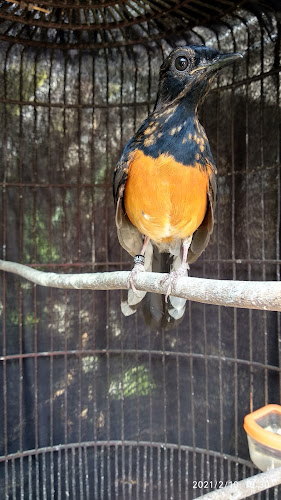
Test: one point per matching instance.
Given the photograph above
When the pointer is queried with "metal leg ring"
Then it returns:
(139, 259)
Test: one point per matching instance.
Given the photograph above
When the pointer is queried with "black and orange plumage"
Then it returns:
(164, 184)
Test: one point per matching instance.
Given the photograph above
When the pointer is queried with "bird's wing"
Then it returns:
(128, 235)
(201, 237)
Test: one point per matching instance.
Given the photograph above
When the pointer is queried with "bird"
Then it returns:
(164, 184)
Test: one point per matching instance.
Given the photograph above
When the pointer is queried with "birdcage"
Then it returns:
(95, 405)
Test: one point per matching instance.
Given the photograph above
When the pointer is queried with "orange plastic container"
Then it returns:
(263, 429)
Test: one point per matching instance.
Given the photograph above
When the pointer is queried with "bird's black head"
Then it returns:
(188, 71)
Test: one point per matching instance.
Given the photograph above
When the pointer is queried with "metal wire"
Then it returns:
(92, 403)
(65, 25)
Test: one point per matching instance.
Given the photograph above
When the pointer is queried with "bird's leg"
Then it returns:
(138, 265)
(182, 269)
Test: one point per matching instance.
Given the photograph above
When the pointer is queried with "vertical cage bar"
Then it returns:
(193, 419)
(151, 469)
(249, 266)
(233, 253)
(59, 478)
(65, 394)
(264, 314)
(20, 211)
(278, 224)
(171, 474)
(116, 468)
(93, 171)
(159, 473)
(178, 416)
(35, 331)
(73, 469)
(101, 473)
(150, 336)
(44, 477)
(4, 212)
(187, 479)
(51, 302)
(30, 486)
(108, 419)
(14, 480)
(164, 382)
(165, 472)
(123, 455)
(79, 176)
(145, 465)
(82, 472)
(96, 468)
(4, 216)
(206, 379)
(219, 275)
(202, 470)
(87, 485)
(130, 472)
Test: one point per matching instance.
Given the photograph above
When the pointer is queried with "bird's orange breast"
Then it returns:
(164, 199)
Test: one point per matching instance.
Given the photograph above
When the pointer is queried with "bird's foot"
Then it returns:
(172, 278)
(138, 267)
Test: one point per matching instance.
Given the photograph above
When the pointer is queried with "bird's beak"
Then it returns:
(224, 60)
(220, 62)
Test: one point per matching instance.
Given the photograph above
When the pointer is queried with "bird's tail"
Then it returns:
(157, 313)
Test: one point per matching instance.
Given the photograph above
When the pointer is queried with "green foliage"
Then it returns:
(100, 172)
(89, 364)
(27, 319)
(114, 89)
(23, 87)
(136, 382)
(45, 252)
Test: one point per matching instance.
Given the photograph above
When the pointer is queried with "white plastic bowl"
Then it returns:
(263, 429)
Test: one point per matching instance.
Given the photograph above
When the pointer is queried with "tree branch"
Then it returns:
(264, 295)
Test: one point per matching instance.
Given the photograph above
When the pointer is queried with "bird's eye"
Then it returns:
(181, 63)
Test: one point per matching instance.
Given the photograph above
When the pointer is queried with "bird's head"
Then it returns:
(188, 72)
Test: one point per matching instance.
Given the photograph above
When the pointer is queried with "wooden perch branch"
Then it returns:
(264, 295)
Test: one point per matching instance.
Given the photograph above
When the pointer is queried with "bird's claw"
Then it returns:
(181, 272)
(138, 267)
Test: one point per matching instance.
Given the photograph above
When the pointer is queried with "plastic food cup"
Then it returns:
(263, 429)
